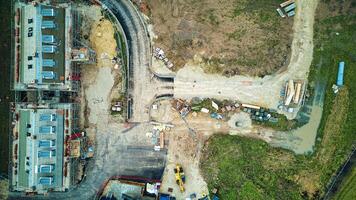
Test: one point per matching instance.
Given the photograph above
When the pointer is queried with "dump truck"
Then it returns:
(180, 177)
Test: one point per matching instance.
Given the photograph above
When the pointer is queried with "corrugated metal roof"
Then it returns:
(48, 12)
(45, 180)
(290, 7)
(48, 39)
(340, 74)
(48, 48)
(48, 24)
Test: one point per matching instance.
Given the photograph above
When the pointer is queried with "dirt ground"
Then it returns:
(191, 81)
(232, 37)
(100, 81)
(186, 139)
(184, 147)
(103, 41)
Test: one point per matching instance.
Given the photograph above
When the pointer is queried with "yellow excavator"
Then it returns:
(180, 177)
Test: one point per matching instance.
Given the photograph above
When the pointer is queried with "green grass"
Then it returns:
(205, 103)
(243, 168)
(347, 187)
(213, 19)
(264, 12)
(122, 52)
(4, 189)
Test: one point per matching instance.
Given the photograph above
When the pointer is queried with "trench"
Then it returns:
(6, 96)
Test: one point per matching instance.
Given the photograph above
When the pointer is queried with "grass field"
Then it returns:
(347, 188)
(243, 168)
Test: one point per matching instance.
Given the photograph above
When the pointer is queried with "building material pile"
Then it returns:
(257, 113)
(117, 107)
(74, 146)
(293, 91)
(160, 55)
(181, 106)
(287, 8)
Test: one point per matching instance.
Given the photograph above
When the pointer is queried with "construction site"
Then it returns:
(229, 37)
(105, 108)
(49, 148)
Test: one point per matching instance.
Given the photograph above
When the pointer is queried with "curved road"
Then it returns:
(115, 154)
(139, 54)
(141, 88)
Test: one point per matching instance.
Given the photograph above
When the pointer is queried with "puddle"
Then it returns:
(302, 140)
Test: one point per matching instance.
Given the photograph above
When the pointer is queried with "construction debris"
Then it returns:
(216, 116)
(214, 105)
(117, 107)
(160, 55)
(74, 148)
(181, 106)
(335, 88)
(204, 110)
(257, 113)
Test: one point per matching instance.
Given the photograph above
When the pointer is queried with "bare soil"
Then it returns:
(100, 81)
(232, 37)
(184, 148)
(103, 41)
(192, 82)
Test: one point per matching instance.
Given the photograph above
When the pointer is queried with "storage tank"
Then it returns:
(340, 74)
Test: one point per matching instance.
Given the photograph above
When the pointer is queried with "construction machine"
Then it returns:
(180, 177)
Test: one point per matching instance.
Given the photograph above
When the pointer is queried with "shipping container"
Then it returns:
(290, 7)
(340, 75)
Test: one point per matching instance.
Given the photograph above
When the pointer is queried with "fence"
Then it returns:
(335, 178)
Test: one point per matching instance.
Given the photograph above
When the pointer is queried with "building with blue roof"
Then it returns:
(48, 24)
(48, 39)
(340, 74)
(48, 63)
(44, 55)
(41, 58)
(48, 12)
(40, 160)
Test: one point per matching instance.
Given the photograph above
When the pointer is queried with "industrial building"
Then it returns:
(48, 148)
(129, 187)
(41, 162)
(45, 56)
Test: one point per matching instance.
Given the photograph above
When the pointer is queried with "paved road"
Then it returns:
(117, 154)
(129, 153)
(140, 85)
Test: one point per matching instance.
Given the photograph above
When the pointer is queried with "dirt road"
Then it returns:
(192, 82)
(185, 149)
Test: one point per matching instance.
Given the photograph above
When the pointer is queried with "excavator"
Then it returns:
(180, 177)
